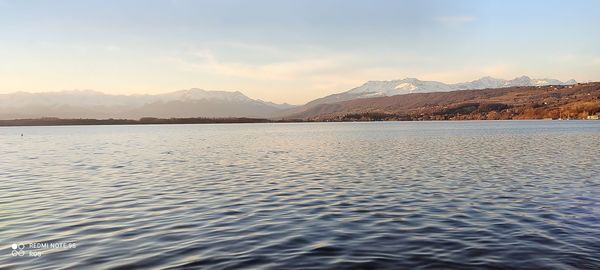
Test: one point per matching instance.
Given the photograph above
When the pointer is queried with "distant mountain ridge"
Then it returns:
(413, 85)
(530, 102)
(93, 104)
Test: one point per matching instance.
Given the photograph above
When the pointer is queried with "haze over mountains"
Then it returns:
(202, 103)
(94, 104)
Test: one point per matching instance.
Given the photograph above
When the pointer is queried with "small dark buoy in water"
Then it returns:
(21, 134)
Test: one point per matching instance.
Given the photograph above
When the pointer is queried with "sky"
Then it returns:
(289, 50)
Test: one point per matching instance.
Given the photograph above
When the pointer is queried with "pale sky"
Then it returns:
(289, 51)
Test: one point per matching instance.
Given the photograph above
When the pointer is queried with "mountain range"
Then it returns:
(98, 105)
(413, 85)
(373, 89)
(521, 102)
(201, 103)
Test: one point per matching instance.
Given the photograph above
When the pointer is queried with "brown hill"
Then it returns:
(535, 102)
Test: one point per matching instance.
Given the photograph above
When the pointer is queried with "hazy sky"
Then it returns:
(289, 51)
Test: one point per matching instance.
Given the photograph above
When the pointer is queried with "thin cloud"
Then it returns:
(112, 48)
(205, 60)
(454, 20)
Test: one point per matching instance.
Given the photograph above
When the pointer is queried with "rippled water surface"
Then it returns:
(519, 195)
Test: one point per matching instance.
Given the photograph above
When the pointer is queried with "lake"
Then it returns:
(376, 195)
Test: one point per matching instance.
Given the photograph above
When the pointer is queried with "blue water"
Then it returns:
(386, 195)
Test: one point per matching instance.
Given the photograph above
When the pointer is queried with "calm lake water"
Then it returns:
(419, 195)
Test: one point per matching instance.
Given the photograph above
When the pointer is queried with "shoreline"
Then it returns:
(199, 121)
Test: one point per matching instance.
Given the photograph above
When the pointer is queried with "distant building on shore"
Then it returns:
(594, 117)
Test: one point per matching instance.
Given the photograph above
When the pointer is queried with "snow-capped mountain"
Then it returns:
(199, 94)
(413, 85)
(397, 87)
(93, 104)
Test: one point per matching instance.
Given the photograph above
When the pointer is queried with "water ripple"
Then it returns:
(434, 195)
